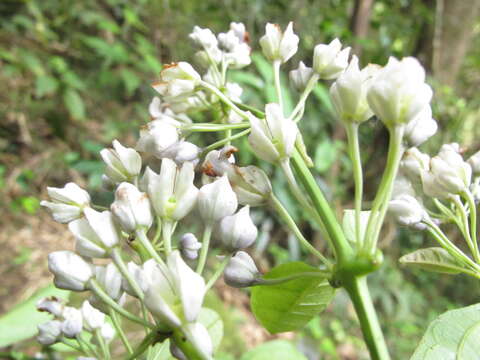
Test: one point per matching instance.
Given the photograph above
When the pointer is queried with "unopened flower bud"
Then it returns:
(67, 203)
(349, 93)
(189, 246)
(217, 200)
(277, 45)
(156, 137)
(72, 323)
(448, 174)
(107, 332)
(131, 208)
(251, 184)
(70, 270)
(177, 79)
(204, 37)
(182, 151)
(407, 211)
(301, 76)
(421, 128)
(398, 92)
(273, 138)
(92, 318)
(474, 162)
(96, 234)
(238, 231)
(241, 271)
(329, 61)
(51, 305)
(172, 192)
(138, 275)
(122, 164)
(219, 162)
(110, 280)
(414, 162)
(49, 332)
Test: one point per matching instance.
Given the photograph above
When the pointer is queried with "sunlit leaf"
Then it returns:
(434, 259)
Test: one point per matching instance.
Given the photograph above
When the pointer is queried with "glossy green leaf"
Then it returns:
(290, 305)
(277, 349)
(453, 335)
(23, 319)
(434, 259)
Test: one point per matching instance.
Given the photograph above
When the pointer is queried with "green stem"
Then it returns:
(121, 266)
(354, 151)
(218, 272)
(357, 289)
(167, 236)
(207, 233)
(473, 223)
(214, 127)
(102, 344)
(82, 348)
(339, 243)
(303, 98)
(158, 231)
(97, 289)
(148, 245)
(278, 85)
(184, 342)
(118, 328)
(465, 228)
(86, 346)
(380, 203)
(285, 216)
(147, 341)
(224, 141)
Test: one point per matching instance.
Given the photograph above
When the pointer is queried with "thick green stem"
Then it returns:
(354, 151)
(357, 289)
(285, 216)
(207, 233)
(342, 248)
(167, 230)
(148, 246)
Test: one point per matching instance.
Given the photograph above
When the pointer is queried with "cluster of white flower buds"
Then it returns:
(70, 322)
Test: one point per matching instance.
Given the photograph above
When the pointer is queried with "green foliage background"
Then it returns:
(76, 74)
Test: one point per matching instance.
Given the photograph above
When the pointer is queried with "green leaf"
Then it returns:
(325, 155)
(160, 351)
(130, 80)
(434, 259)
(348, 223)
(45, 85)
(245, 78)
(214, 324)
(74, 104)
(277, 349)
(23, 319)
(290, 305)
(453, 335)
(321, 93)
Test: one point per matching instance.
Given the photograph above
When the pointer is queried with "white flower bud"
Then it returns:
(122, 164)
(51, 305)
(273, 139)
(96, 234)
(189, 246)
(171, 285)
(217, 200)
(177, 79)
(181, 70)
(172, 192)
(131, 208)
(219, 162)
(239, 57)
(182, 151)
(329, 61)
(72, 323)
(67, 203)
(414, 162)
(277, 45)
(421, 128)
(234, 37)
(138, 275)
(407, 211)
(238, 231)
(70, 270)
(301, 76)
(156, 137)
(203, 37)
(398, 92)
(241, 271)
(92, 318)
(110, 280)
(349, 93)
(474, 162)
(448, 174)
(107, 332)
(402, 186)
(49, 332)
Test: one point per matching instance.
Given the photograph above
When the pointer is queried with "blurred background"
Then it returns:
(75, 75)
